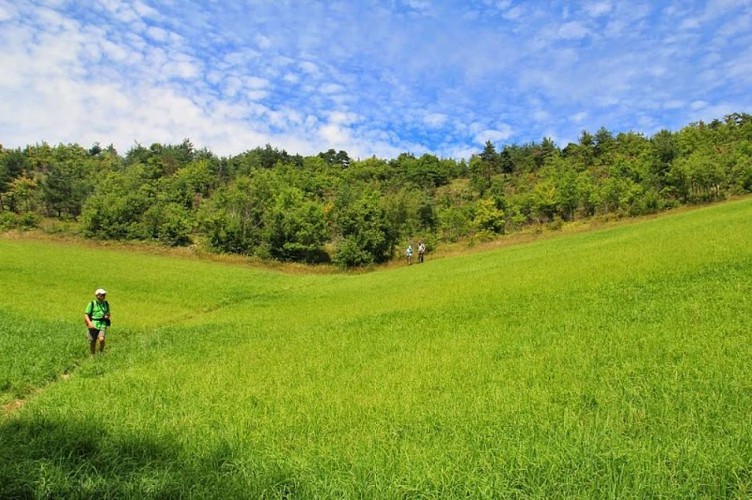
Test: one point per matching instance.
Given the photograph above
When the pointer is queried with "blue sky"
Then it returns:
(369, 77)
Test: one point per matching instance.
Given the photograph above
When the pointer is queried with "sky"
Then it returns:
(370, 77)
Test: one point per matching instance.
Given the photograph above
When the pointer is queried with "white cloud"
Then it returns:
(738, 26)
(255, 82)
(125, 14)
(461, 152)
(7, 12)
(423, 7)
(578, 117)
(291, 78)
(597, 9)
(334, 136)
(711, 112)
(309, 67)
(494, 135)
(342, 118)
(331, 88)
(690, 23)
(158, 34)
(241, 57)
(264, 42)
(514, 13)
(256, 95)
(181, 69)
(541, 115)
(231, 85)
(739, 70)
(115, 52)
(674, 104)
(435, 120)
(144, 10)
(573, 30)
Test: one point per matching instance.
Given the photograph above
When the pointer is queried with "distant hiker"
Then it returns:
(421, 251)
(97, 319)
(409, 254)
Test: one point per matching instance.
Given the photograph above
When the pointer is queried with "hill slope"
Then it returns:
(596, 364)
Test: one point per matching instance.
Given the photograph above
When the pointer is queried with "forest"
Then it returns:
(331, 208)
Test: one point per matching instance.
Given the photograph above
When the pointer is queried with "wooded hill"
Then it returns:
(330, 207)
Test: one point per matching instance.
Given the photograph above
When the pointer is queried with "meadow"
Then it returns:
(612, 363)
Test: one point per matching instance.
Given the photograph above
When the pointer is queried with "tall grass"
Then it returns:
(607, 364)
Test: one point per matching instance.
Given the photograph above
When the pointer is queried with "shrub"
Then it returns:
(8, 221)
(29, 220)
(349, 254)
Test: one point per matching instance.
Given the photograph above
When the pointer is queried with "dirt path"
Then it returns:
(17, 404)
(13, 406)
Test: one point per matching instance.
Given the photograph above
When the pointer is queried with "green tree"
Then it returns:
(233, 220)
(583, 153)
(740, 167)
(454, 222)
(603, 144)
(568, 192)
(365, 235)
(295, 228)
(65, 187)
(705, 176)
(483, 167)
(372, 170)
(426, 172)
(12, 164)
(168, 222)
(549, 151)
(588, 192)
(191, 184)
(338, 158)
(117, 207)
(546, 199)
(617, 194)
(664, 150)
(488, 220)
(23, 193)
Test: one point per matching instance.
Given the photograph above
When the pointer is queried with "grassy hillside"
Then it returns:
(610, 363)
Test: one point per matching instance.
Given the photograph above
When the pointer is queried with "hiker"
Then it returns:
(409, 254)
(97, 319)
(421, 251)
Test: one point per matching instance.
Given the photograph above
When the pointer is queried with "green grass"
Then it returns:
(608, 364)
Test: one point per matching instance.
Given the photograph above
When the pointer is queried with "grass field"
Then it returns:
(614, 363)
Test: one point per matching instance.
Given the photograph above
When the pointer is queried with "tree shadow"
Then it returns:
(42, 458)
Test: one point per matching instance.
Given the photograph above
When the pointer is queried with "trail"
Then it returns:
(17, 404)
(14, 406)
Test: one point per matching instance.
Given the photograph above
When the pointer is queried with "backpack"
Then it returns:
(105, 308)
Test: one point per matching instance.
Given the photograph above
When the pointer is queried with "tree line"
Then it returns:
(330, 207)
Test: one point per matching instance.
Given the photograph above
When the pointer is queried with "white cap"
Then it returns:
(100, 291)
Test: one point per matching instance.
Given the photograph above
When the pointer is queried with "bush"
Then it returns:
(556, 224)
(169, 223)
(61, 227)
(483, 236)
(349, 254)
(488, 218)
(29, 220)
(650, 202)
(8, 221)
(454, 223)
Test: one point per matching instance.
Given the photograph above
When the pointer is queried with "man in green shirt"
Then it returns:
(97, 319)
